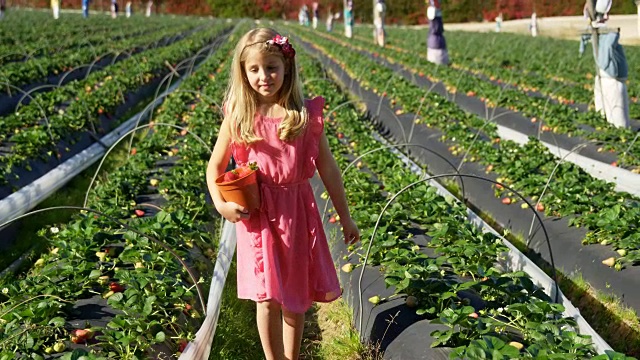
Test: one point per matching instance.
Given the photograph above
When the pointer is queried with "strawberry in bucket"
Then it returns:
(240, 186)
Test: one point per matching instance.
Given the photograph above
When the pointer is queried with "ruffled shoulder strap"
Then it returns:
(315, 109)
(314, 132)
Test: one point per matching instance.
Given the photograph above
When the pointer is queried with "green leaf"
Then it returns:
(160, 337)
(510, 352)
(95, 274)
(115, 298)
(30, 342)
(494, 342)
(57, 321)
(475, 353)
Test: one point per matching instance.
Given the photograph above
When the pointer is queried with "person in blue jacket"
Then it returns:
(85, 8)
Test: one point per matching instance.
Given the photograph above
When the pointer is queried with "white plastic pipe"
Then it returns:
(31, 195)
(200, 348)
(624, 179)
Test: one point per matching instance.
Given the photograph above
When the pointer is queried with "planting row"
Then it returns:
(556, 247)
(552, 117)
(551, 66)
(610, 216)
(86, 104)
(149, 304)
(25, 32)
(33, 70)
(513, 319)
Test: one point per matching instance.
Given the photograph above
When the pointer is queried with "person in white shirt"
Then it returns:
(55, 7)
(378, 22)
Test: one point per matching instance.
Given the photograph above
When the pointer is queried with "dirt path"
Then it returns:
(566, 27)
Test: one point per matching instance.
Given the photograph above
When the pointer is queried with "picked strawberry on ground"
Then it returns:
(80, 336)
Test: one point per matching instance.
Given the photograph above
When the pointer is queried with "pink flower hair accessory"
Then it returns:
(283, 43)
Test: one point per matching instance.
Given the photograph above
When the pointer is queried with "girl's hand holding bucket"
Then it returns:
(240, 190)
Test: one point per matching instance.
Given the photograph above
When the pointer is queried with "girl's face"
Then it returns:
(265, 73)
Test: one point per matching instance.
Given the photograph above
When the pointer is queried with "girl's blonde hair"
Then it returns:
(241, 99)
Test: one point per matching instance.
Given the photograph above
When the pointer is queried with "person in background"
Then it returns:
(55, 7)
(330, 17)
(314, 20)
(533, 27)
(85, 8)
(149, 6)
(379, 11)
(436, 45)
(499, 22)
(3, 8)
(303, 16)
(128, 9)
(348, 18)
(601, 12)
(114, 9)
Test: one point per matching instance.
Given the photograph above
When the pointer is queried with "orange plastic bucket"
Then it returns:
(243, 191)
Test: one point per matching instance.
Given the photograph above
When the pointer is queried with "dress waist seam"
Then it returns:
(287, 185)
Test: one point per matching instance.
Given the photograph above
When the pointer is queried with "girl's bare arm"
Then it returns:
(217, 165)
(332, 180)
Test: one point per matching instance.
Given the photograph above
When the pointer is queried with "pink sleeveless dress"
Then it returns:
(283, 254)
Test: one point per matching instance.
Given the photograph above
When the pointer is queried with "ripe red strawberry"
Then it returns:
(81, 333)
(332, 219)
(506, 201)
(243, 171)
(115, 287)
(77, 340)
(134, 151)
(139, 212)
(340, 135)
(230, 176)
(182, 345)
(540, 207)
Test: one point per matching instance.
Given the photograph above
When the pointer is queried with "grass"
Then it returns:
(330, 335)
(236, 336)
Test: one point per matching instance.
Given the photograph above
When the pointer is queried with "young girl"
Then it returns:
(284, 263)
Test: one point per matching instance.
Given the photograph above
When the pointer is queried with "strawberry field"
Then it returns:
(476, 243)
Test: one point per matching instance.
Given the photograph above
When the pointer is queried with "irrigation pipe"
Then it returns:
(31, 195)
